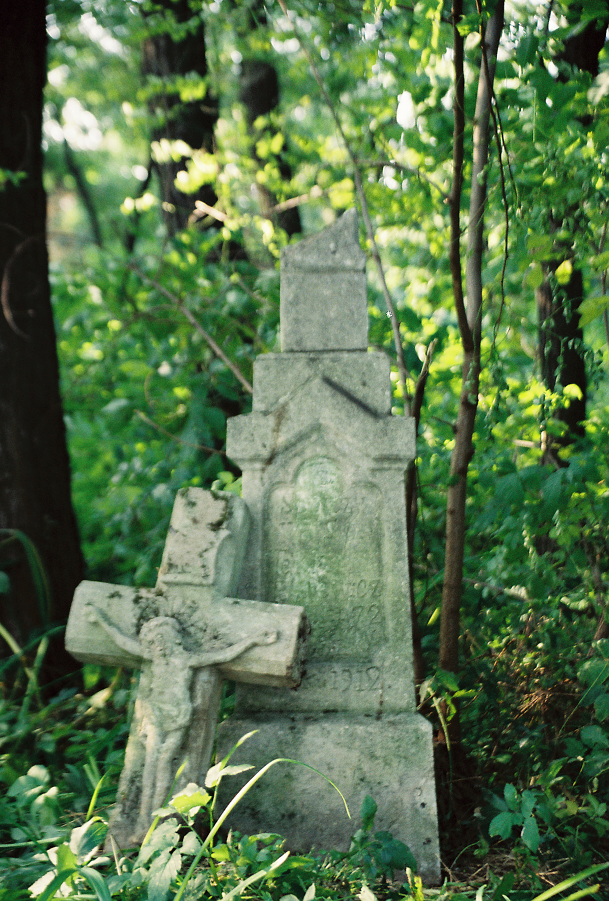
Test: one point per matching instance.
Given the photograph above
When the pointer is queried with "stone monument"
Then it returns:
(186, 635)
(323, 464)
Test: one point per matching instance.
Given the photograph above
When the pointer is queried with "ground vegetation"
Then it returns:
(473, 140)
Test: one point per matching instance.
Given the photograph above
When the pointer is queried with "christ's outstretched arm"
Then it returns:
(123, 641)
(224, 655)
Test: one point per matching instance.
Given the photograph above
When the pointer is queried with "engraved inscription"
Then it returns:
(343, 679)
(324, 552)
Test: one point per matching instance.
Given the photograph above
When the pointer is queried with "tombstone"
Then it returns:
(323, 464)
(186, 635)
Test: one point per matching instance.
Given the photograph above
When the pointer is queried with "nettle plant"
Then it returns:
(564, 809)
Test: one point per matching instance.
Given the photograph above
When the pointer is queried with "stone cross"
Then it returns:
(186, 635)
(323, 463)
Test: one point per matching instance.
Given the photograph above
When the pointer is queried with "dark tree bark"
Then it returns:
(469, 314)
(34, 465)
(259, 92)
(192, 122)
(561, 348)
(582, 49)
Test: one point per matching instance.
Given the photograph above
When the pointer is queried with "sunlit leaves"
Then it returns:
(147, 401)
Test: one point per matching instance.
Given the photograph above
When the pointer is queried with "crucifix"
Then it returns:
(186, 635)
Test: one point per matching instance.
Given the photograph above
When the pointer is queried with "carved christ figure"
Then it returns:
(164, 697)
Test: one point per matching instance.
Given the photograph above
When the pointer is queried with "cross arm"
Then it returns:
(276, 663)
(94, 638)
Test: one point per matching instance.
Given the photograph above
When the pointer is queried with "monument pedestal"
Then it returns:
(390, 759)
(323, 462)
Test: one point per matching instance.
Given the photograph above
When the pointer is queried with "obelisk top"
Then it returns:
(323, 291)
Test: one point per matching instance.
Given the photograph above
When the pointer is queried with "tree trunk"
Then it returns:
(34, 465)
(561, 348)
(165, 58)
(412, 512)
(259, 93)
(562, 355)
(470, 326)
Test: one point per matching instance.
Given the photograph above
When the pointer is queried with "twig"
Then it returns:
(168, 434)
(204, 209)
(408, 170)
(179, 303)
(313, 194)
(501, 149)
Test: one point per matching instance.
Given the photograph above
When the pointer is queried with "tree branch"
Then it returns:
(176, 438)
(357, 178)
(82, 189)
(477, 202)
(457, 182)
(181, 306)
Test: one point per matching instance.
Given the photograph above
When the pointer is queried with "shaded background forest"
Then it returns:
(184, 144)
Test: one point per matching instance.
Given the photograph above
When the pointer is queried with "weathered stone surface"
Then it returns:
(323, 465)
(186, 636)
(388, 759)
(318, 310)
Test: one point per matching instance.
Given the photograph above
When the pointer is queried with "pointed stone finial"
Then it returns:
(323, 291)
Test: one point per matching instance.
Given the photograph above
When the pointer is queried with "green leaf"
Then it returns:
(509, 489)
(528, 803)
(188, 799)
(191, 844)
(501, 825)
(530, 834)
(401, 857)
(564, 272)
(527, 49)
(468, 23)
(594, 672)
(66, 859)
(595, 736)
(86, 838)
(219, 771)
(601, 706)
(368, 812)
(534, 277)
(448, 680)
(554, 489)
(511, 796)
(592, 307)
(504, 888)
(97, 883)
(55, 884)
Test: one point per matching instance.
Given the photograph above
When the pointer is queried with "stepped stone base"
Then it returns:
(390, 759)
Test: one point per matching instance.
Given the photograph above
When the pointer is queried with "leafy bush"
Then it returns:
(564, 812)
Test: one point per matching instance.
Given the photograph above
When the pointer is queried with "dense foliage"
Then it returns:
(158, 327)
